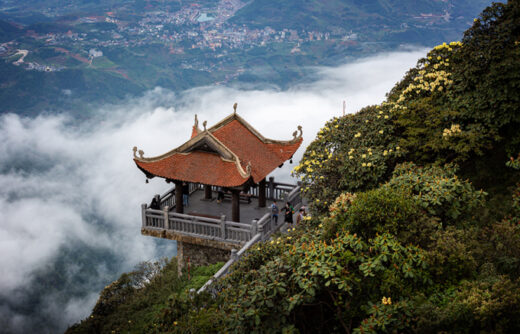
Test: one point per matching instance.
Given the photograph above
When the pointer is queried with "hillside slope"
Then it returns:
(399, 240)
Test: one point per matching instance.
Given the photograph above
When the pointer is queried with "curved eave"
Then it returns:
(195, 167)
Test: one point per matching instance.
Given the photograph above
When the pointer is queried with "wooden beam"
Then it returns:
(261, 193)
(235, 205)
(179, 207)
(207, 192)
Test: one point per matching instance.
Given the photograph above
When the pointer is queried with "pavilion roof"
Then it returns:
(229, 154)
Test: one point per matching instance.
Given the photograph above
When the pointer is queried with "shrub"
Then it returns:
(439, 191)
(352, 153)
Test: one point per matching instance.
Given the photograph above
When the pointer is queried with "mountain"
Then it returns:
(371, 17)
(415, 219)
(85, 53)
(8, 31)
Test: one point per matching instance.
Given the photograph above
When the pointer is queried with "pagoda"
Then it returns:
(230, 155)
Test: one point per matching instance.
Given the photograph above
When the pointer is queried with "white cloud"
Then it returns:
(63, 182)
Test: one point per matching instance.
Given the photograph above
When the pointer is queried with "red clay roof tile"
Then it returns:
(209, 168)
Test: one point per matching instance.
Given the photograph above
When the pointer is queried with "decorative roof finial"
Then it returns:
(141, 153)
(296, 135)
(204, 124)
(196, 121)
(235, 108)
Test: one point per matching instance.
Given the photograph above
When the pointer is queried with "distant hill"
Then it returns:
(8, 31)
(141, 47)
(368, 16)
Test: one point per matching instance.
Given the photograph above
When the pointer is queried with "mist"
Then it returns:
(70, 193)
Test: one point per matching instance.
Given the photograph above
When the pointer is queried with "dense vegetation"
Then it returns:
(411, 230)
(132, 303)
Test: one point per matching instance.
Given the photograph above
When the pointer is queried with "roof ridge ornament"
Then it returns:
(297, 135)
(196, 125)
(235, 108)
(204, 125)
(141, 153)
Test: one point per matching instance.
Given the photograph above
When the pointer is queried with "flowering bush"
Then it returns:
(352, 153)
(439, 191)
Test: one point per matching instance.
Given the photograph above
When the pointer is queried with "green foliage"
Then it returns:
(382, 210)
(352, 153)
(135, 302)
(439, 191)
(343, 274)
(484, 306)
(392, 246)
(472, 108)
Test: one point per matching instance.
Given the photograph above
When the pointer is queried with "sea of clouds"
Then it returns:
(66, 183)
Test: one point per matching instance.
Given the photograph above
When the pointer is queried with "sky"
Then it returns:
(70, 193)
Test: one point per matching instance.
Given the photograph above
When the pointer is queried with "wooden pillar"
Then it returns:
(235, 205)
(207, 191)
(271, 188)
(261, 194)
(179, 207)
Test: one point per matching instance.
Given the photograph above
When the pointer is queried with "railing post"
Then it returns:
(234, 255)
(254, 227)
(261, 231)
(166, 209)
(143, 214)
(158, 198)
(223, 227)
(271, 188)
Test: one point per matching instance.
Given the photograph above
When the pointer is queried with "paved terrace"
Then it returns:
(208, 219)
(198, 206)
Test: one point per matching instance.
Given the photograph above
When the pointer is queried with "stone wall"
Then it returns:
(199, 251)
(199, 255)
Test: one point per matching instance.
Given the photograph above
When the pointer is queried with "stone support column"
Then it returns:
(261, 194)
(235, 205)
(179, 207)
(180, 257)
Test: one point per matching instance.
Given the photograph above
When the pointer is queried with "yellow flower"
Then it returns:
(321, 225)
(363, 156)
(386, 116)
(364, 164)
(398, 148)
(175, 323)
(381, 131)
(369, 164)
(357, 135)
(350, 157)
(385, 152)
(387, 301)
